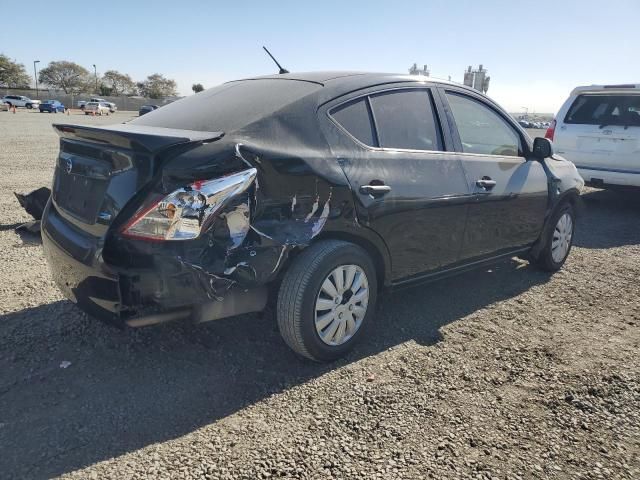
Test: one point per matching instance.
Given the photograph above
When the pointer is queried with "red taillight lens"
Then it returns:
(187, 212)
(551, 131)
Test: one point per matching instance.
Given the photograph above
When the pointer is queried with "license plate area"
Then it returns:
(80, 196)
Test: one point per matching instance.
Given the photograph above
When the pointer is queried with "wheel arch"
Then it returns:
(572, 197)
(378, 253)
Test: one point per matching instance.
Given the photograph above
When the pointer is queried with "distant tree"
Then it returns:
(67, 76)
(119, 83)
(157, 86)
(197, 87)
(13, 74)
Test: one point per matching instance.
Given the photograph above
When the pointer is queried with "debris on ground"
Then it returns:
(34, 203)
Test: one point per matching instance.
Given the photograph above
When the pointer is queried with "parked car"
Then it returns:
(20, 101)
(320, 190)
(598, 129)
(51, 106)
(96, 108)
(146, 109)
(525, 124)
(112, 106)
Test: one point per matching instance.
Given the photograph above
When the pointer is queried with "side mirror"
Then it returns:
(542, 148)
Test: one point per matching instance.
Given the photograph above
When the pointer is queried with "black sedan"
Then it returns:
(146, 109)
(317, 190)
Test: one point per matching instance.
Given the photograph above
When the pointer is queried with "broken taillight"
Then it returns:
(187, 212)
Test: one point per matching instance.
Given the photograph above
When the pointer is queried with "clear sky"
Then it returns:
(536, 52)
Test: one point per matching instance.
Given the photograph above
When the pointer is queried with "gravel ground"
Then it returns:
(499, 373)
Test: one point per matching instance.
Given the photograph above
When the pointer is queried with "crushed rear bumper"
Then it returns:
(134, 297)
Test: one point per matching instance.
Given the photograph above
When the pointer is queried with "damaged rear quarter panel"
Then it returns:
(300, 193)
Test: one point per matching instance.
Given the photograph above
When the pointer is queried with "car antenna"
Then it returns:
(282, 70)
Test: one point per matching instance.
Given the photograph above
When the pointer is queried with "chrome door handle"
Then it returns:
(486, 183)
(375, 190)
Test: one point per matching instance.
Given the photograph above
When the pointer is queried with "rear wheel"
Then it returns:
(327, 299)
(558, 240)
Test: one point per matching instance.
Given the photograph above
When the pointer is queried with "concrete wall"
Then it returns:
(123, 103)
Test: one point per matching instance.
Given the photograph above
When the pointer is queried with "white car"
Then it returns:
(96, 108)
(20, 101)
(112, 106)
(598, 129)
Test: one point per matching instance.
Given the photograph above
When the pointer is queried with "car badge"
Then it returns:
(68, 165)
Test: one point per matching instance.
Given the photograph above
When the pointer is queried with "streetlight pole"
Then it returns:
(35, 76)
(95, 72)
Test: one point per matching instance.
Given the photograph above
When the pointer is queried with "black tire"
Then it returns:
(29, 106)
(544, 258)
(299, 291)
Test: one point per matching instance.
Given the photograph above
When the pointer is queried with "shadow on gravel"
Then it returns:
(125, 390)
(610, 219)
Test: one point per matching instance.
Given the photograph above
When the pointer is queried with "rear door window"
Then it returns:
(405, 119)
(481, 129)
(355, 118)
(621, 110)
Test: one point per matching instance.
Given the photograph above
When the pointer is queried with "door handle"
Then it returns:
(375, 190)
(486, 183)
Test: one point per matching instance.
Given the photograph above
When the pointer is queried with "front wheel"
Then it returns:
(558, 239)
(29, 106)
(326, 300)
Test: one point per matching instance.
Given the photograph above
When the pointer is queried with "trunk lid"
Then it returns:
(99, 170)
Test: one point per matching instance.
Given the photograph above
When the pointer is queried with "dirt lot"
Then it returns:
(500, 373)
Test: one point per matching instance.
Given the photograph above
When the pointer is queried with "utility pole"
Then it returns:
(35, 77)
(95, 72)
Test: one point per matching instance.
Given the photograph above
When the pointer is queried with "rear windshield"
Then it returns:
(605, 110)
(229, 106)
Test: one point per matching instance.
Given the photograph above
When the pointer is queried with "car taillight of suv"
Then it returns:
(551, 131)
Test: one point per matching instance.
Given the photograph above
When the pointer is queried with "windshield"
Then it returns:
(229, 106)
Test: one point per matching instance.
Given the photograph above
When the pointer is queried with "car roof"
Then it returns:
(633, 88)
(338, 83)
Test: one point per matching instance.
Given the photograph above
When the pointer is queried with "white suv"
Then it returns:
(598, 129)
(20, 101)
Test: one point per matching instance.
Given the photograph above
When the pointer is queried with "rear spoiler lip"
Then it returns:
(135, 135)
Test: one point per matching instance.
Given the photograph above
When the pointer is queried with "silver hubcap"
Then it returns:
(341, 304)
(562, 238)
